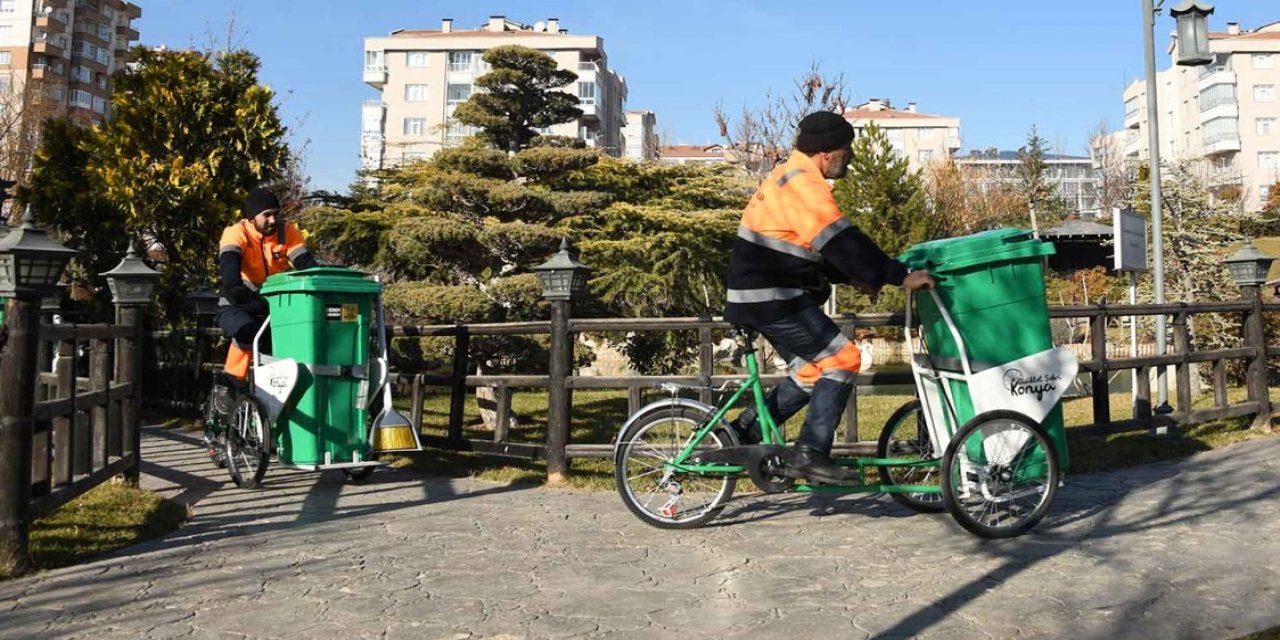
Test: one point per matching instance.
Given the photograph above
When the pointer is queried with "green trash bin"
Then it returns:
(321, 317)
(992, 284)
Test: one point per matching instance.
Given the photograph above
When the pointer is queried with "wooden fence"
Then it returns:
(63, 434)
(563, 330)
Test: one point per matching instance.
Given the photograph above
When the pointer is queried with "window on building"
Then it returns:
(109, 14)
(1262, 61)
(926, 155)
(1266, 126)
(373, 60)
(417, 59)
(456, 132)
(1269, 160)
(8, 6)
(1220, 129)
(415, 93)
(460, 60)
(456, 94)
(6, 31)
(104, 32)
(1216, 95)
(6, 57)
(415, 126)
(81, 98)
(1264, 93)
(99, 105)
(103, 57)
(371, 125)
(586, 93)
(898, 139)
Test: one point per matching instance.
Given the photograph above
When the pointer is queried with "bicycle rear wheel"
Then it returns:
(655, 494)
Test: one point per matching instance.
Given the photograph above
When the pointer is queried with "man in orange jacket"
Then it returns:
(792, 244)
(258, 246)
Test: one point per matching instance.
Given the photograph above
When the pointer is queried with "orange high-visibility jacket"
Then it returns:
(792, 243)
(258, 257)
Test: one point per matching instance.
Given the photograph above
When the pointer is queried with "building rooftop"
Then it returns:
(1078, 228)
(1012, 156)
(691, 151)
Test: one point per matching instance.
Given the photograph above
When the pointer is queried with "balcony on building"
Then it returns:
(1133, 112)
(46, 46)
(1132, 143)
(1216, 76)
(48, 20)
(1223, 176)
(127, 31)
(1223, 142)
(375, 72)
(39, 71)
(953, 143)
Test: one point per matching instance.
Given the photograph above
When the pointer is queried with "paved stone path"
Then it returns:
(1183, 549)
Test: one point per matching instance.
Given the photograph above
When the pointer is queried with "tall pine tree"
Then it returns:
(520, 94)
(882, 195)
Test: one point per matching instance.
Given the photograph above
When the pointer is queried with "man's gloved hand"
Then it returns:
(919, 280)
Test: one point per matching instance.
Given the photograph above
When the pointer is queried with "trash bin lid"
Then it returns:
(319, 280)
(997, 245)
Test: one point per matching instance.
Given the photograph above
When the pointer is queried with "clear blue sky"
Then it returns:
(999, 65)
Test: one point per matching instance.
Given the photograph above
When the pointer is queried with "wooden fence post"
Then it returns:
(706, 359)
(1182, 344)
(557, 396)
(458, 391)
(1255, 335)
(17, 401)
(1101, 382)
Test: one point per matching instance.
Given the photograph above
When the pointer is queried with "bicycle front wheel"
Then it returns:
(248, 443)
(651, 490)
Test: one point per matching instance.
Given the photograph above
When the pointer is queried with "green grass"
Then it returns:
(108, 517)
(597, 414)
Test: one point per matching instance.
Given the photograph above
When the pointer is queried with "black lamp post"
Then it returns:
(563, 280)
(204, 303)
(31, 264)
(131, 284)
(1249, 268)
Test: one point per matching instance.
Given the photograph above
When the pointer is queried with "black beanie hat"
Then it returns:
(259, 200)
(823, 131)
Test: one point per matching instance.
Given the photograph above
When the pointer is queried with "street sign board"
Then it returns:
(1130, 236)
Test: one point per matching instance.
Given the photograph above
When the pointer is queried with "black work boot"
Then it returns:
(748, 434)
(817, 467)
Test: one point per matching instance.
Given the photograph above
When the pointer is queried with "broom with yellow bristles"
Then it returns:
(391, 431)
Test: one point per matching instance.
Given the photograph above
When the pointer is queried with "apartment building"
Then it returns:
(1075, 179)
(639, 139)
(694, 154)
(919, 137)
(1225, 114)
(423, 75)
(70, 47)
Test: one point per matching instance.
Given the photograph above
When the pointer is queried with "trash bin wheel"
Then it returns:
(905, 435)
(1010, 488)
(358, 474)
(248, 443)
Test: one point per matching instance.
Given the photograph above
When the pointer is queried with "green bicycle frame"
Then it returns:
(771, 434)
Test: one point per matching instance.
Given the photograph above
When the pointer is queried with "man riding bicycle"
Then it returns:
(258, 246)
(792, 244)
